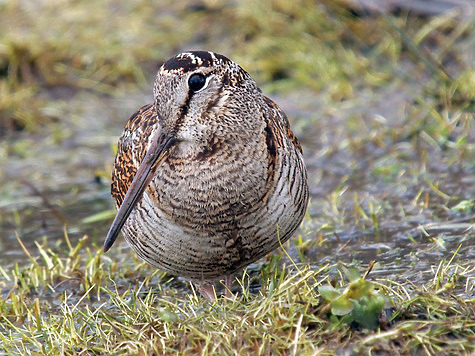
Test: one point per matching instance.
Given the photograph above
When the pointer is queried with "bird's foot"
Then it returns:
(207, 291)
(228, 281)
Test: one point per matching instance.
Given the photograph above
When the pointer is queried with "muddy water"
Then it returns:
(61, 175)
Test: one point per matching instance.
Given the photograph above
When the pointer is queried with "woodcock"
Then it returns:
(209, 177)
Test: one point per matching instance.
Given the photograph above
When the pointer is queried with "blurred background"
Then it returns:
(380, 93)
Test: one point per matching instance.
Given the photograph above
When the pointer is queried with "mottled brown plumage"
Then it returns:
(209, 177)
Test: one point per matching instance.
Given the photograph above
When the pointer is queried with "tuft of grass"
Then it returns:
(81, 301)
(358, 302)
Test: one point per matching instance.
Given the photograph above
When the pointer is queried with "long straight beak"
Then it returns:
(142, 178)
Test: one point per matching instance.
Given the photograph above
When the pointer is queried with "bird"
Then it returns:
(209, 177)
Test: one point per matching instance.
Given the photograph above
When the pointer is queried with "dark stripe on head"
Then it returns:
(189, 61)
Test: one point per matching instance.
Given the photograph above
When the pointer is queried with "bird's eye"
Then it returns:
(196, 82)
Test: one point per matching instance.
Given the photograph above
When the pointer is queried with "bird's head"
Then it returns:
(200, 94)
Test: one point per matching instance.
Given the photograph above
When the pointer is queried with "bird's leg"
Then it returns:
(207, 290)
(228, 281)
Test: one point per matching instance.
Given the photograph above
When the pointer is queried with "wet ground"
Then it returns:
(375, 194)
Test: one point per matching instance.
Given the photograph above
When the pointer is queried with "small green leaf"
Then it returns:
(329, 292)
(465, 206)
(359, 289)
(342, 305)
(366, 311)
(352, 274)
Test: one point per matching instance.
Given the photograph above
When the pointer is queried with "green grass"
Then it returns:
(384, 108)
(81, 301)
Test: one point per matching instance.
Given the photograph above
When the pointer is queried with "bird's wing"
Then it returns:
(131, 150)
(278, 121)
